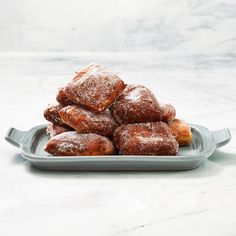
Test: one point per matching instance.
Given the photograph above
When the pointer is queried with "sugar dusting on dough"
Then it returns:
(66, 146)
(136, 104)
(85, 121)
(53, 129)
(74, 144)
(96, 89)
(134, 95)
(51, 114)
(168, 112)
(146, 138)
(150, 139)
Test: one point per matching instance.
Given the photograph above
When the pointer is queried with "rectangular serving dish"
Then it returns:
(32, 144)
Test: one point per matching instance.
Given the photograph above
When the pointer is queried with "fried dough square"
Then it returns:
(74, 144)
(182, 132)
(152, 138)
(96, 90)
(85, 121)
(136, 104)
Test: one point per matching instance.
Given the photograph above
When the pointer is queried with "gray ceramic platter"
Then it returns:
(32, 143)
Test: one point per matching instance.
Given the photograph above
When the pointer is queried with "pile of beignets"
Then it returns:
(98, 114)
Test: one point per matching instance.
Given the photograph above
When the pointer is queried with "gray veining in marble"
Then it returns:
(189, 26)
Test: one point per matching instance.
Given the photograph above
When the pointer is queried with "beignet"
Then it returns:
(85, 121)
(168, 113)
(62, 98)
(74, 144)
(53, 129)
(136, 104)
(51, 113)
(182, 132)
(96, 89)
(152, 138)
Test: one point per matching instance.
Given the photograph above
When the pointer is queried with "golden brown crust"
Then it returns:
(85, 70)
(85, 121)
(62, 98)
(168, 112)
(96, 89)
(75, 144)
(136, 104)
(152, 138)
(53, 130)
(51, 113)
(181, 131)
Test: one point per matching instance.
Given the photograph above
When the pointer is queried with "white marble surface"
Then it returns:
(195, 202)
(192, 26)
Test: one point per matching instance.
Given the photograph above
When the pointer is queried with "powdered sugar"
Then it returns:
(51, 114)
(134, 96)
(150, 139)
(136, 104)
(75, 144)
(96, 89)
(145, 139)
(66, 146)
(168, 112)
(53, 129)
(85, 121)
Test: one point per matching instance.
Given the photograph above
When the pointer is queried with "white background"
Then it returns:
(190, 26)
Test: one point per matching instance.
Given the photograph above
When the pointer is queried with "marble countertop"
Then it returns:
(195, 202)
